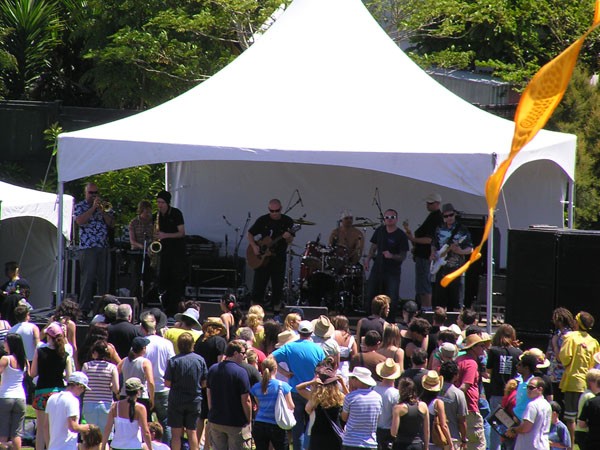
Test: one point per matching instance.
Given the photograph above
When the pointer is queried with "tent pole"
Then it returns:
(489, 282)
(571, 197)
(59, 242)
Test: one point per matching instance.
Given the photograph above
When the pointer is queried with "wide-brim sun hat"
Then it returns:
(286, 337)
(540, 356)
(190, 313)
(363, 375)
(323, 327)
(432, 381)
(161, 317)
(388, 369)
(214, 322)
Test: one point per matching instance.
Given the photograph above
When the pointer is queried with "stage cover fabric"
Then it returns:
(325, 102)
(28, 235)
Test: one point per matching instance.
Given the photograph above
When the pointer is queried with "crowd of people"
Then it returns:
(135, 382)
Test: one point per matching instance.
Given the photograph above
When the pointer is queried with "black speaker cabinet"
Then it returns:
(548, 268)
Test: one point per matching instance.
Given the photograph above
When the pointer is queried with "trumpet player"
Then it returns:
(171, 234)
(94, 221)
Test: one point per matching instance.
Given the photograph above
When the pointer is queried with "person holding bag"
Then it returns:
(265, 430)
(440, 432)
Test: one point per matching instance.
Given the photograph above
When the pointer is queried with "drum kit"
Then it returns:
(328, 277)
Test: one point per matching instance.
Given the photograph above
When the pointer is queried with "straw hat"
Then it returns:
(363, 375)
(471, 341)
(540, 356)
(323, 327)
(432, 381)
(388, 369)
(214, 322)
(285, 337)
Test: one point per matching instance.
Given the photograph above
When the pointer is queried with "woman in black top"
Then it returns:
(410, 419)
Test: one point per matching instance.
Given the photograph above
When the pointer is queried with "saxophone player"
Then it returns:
(141, 230)
(171, 233)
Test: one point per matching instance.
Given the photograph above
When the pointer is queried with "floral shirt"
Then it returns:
(94, 233)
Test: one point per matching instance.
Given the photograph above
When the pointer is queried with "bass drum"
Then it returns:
(322, 287)
(311, 257)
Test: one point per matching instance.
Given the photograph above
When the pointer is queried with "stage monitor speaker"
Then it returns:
(310, 312)
(547, 269)
(209, 309)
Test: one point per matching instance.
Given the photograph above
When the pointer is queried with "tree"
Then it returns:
(579, 113)
(28, 36)
(514, 38)
(145, 53)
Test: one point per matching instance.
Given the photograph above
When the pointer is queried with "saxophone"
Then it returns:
(155, 246)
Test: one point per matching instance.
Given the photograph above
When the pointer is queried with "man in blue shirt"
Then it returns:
(302, 357)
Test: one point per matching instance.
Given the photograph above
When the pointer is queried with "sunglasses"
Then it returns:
(93, 192)
(445, 216)
(274, 210)
(389, 217)
(531, 387)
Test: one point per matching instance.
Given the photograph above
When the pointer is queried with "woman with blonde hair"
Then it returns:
(292, 322)
(390, 345)
(325, 400)
(254, 320)
(265, 430)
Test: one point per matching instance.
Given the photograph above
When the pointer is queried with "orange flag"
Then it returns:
(539, 100)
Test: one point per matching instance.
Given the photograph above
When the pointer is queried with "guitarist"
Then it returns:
(458, 238)
(270, 227)
(421, 242)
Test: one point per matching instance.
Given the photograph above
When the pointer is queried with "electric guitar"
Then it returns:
(266, 246)
(441, 257)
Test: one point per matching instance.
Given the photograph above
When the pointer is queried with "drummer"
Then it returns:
(348, 237)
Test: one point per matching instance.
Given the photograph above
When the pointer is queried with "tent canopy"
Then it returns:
(28, 235)
(324, 85)
(327, 103)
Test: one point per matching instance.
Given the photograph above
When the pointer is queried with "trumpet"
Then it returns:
(156, 246)
(105, 206)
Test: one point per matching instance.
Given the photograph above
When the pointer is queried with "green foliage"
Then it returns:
(126, 188)
(30, 31)
(579, 113)
(144, 53)
(515, 38)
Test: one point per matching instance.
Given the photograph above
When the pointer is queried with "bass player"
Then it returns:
(459, 245)
(271, 227)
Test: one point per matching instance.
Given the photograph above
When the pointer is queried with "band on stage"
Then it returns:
(338, 272)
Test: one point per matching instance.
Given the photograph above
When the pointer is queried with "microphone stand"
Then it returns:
(143, 271)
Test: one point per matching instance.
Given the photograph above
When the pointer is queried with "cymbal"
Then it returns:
(366, 224)
(302, 221)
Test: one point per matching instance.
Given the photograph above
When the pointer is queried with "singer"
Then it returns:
(389, 246)
(276, 228)
(348, 236)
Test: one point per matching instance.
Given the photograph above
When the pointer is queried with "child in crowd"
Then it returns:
(91, 439)
(559, 436)
(156, 433)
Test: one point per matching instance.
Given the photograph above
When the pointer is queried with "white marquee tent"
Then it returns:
(326, 103)
(28, 235)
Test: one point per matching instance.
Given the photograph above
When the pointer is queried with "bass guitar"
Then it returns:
(266, 246)
(441, 257)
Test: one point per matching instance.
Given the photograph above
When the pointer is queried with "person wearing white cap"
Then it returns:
(63, 414)
(348, 236)
(421, 248)
(301, 357)
(361, 411)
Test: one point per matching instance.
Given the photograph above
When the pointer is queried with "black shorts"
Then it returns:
(184, 414)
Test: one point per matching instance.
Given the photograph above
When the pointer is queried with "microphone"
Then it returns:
(226, 221)
(300, 198)
(375, 196)
(318, 238)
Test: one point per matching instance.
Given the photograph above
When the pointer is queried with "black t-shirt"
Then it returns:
(210, 349)
(120, 334)
(591, 415)
(427, 229)
(169, 223)
(395, 242)
(503, 363)
(266, 226)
